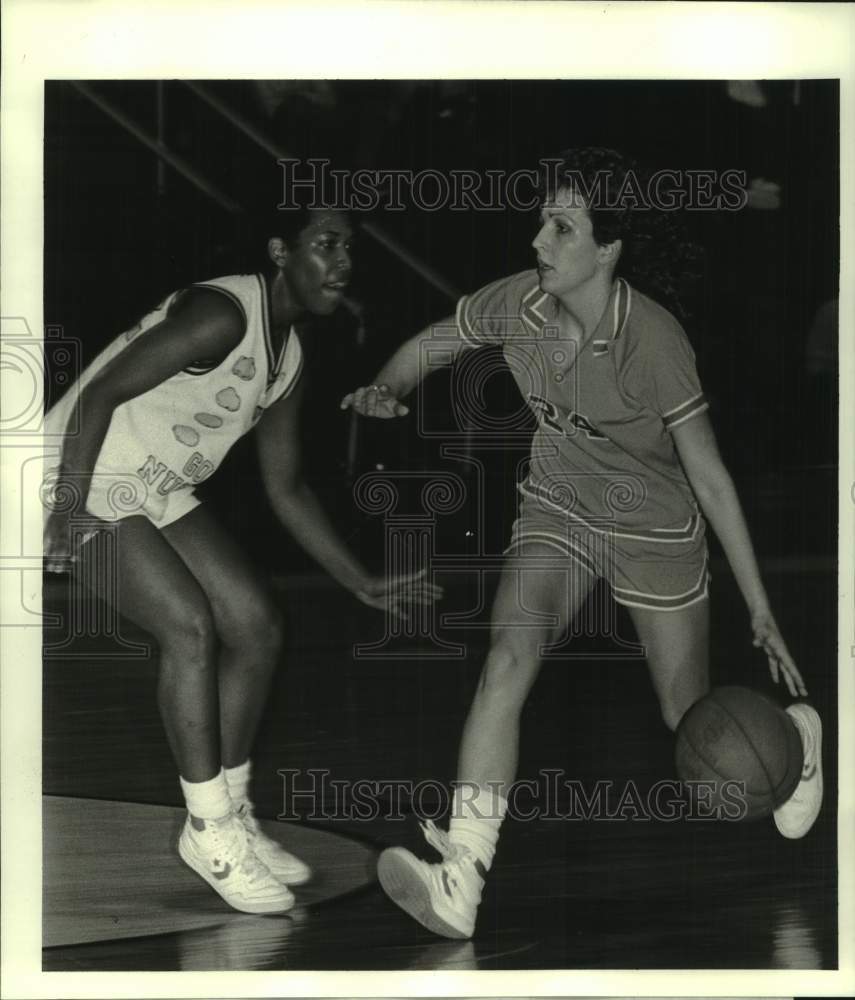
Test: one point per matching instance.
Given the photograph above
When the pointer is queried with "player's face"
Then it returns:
(318, 263)
(567, 254)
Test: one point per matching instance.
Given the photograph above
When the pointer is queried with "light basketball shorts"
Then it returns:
(642, 574)
(115, 496)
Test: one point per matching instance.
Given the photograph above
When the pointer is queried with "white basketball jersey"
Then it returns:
(176, 434)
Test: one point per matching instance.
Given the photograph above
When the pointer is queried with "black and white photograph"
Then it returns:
(424, 521)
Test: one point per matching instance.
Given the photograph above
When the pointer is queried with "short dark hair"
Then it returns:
(262, 219)
(286, 223)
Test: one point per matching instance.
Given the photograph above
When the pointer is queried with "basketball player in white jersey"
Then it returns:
(158, 410)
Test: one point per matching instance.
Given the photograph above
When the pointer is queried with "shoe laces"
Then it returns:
(810, 747)
(459, 864)
(452, 853)
(439, 840)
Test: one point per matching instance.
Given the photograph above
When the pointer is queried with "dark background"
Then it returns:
(120, 233)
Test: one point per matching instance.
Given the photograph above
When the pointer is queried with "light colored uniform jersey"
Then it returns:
(164, 442)
(603, 463)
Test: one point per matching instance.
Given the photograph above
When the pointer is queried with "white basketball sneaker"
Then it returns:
(289, 870)
(797, 815)
(442, 897)
(219, 851)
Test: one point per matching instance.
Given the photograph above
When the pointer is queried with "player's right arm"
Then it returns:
(487, 317)
(201, 324)
(403, 372)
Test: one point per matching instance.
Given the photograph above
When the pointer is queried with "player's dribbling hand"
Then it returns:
(395, 592)
(768, 638)
(375, 401)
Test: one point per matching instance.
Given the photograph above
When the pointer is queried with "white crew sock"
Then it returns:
(207, 799)
(237, 780)
(476, 816)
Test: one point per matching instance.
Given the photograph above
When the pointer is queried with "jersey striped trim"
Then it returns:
(692, 407)
(298, 371)
(462, 321)
(535, 318)
(204, 366)
(530, 309)
(676, 602)
(274, 363)
(621, 308)
(530, 312)
(294, 378)
(687, 533)
(201, 367)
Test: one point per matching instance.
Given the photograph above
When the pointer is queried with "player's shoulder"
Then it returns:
(238, 284)
(650, 326)
(239, 289)
(513, 288)
(215, 306)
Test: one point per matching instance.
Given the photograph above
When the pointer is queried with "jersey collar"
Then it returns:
(274, 362)
(614, 320)
(536, 308)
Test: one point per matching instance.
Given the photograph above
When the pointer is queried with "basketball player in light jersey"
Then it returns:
(622, 459)
(157, 410)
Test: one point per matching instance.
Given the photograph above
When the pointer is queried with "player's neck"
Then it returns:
(585, 305)
(284, 311)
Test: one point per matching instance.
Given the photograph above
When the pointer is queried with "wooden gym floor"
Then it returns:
(597, 894)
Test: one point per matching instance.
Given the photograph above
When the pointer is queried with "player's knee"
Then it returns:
(190, 631)
(505, 674)
(259, 630)
(269, 631)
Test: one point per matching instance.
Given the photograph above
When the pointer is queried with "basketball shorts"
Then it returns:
(113, 497)
(655, 575)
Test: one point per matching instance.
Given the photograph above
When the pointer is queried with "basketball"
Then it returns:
(734, 734)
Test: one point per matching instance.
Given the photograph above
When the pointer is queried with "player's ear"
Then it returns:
(609, 253)
(277, 250)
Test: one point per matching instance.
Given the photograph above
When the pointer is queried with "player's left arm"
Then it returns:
(712, 484)
(301, 513)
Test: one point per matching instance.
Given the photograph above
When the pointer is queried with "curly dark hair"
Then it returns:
(656, 255)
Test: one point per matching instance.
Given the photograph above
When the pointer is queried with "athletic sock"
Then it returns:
(207, 799)
(237, 780)
(476, 816)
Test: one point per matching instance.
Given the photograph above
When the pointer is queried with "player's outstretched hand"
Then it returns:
(767, 637)
(396, 592)
(375, 401)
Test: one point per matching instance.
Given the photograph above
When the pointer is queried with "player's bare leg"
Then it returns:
(538, 596)
(249, 627)
(677, 653)
(247, 623)
(156, 589)
(676, 645)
